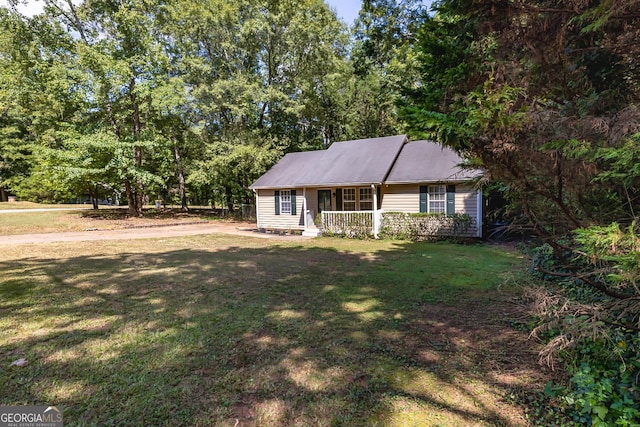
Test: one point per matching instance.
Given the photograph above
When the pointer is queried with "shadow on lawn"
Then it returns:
(261, 336)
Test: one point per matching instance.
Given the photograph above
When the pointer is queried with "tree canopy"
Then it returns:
(143, 97)
(544, 96)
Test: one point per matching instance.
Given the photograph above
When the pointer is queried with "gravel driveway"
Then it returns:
(235, 228)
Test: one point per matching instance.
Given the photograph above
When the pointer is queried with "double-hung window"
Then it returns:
(349, 199)
(437, 199)
(366, 199)
(285, 202)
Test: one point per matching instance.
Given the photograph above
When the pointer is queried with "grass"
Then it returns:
(40, 222)
(53, 221)
(31, 205)
(234, 331)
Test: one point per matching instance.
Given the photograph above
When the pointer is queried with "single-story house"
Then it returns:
(305, 190)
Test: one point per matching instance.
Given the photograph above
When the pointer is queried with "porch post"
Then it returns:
(479, 206)
(304, 206)
(375, 210)
(255, 192)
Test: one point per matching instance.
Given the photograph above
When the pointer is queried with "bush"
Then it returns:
(604, 386)
(594, 333)
(424, 226)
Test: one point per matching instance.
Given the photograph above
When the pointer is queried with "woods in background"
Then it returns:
(185, 99)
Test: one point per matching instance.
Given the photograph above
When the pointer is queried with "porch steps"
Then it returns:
(311, 232)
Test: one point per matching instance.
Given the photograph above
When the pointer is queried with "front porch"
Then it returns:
(352, 211)
(351, 223)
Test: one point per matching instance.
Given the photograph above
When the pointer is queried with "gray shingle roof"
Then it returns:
(359, 162)
(367, 161)
(427, 161)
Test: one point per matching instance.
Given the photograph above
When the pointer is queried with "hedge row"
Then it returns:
(424, 226)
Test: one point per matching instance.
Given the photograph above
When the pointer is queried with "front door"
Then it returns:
(324, 200)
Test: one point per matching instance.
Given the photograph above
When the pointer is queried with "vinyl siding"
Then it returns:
(406, 198)
(267, 217)
(395, 198)
(401, 198)
(467, 203)
(466, 200)
(266, 210)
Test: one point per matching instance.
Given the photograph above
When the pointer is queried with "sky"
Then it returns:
(347, 10)
(32, 8)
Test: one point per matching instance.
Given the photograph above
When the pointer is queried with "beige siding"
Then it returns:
(395, 198)
(467, 203)
(466, 200)
(401, 198)
(266, 210)
(406, 198)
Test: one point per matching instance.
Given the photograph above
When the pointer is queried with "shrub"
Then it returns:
(589, 315)
(424, 226)
(604, 388)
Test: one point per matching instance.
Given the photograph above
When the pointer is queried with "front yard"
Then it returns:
(234, 331)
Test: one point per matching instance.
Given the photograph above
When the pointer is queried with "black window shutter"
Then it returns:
(277, 201)
(423, 198)
(338, 199)
(451, 199)
(379, 195)
(293, 202)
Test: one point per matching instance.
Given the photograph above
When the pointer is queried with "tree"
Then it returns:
(383, 62)
(544, 96)
(257, 72)
(38, 98)
(537, 109)
(169, 86)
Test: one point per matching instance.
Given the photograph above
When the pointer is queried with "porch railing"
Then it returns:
(350, 223)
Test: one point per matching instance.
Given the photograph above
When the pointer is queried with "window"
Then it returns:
(349, 199)
(285, 201)
(366, 199)
(437, 198)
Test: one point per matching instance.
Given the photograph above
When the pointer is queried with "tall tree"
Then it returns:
(383, 61)
(544, 96)
(152, 88)
(39, 98)
(258, 72)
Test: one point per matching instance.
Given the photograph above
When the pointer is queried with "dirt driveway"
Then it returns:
(149, 232)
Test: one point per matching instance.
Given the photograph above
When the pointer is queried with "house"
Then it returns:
(363, 179)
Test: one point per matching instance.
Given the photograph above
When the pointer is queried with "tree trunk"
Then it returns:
(131, 199)
(137, 150)
(229, 197)
(181, 185)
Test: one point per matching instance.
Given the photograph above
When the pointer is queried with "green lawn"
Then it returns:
(55, 221)
(225, 330)
(31, 205)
